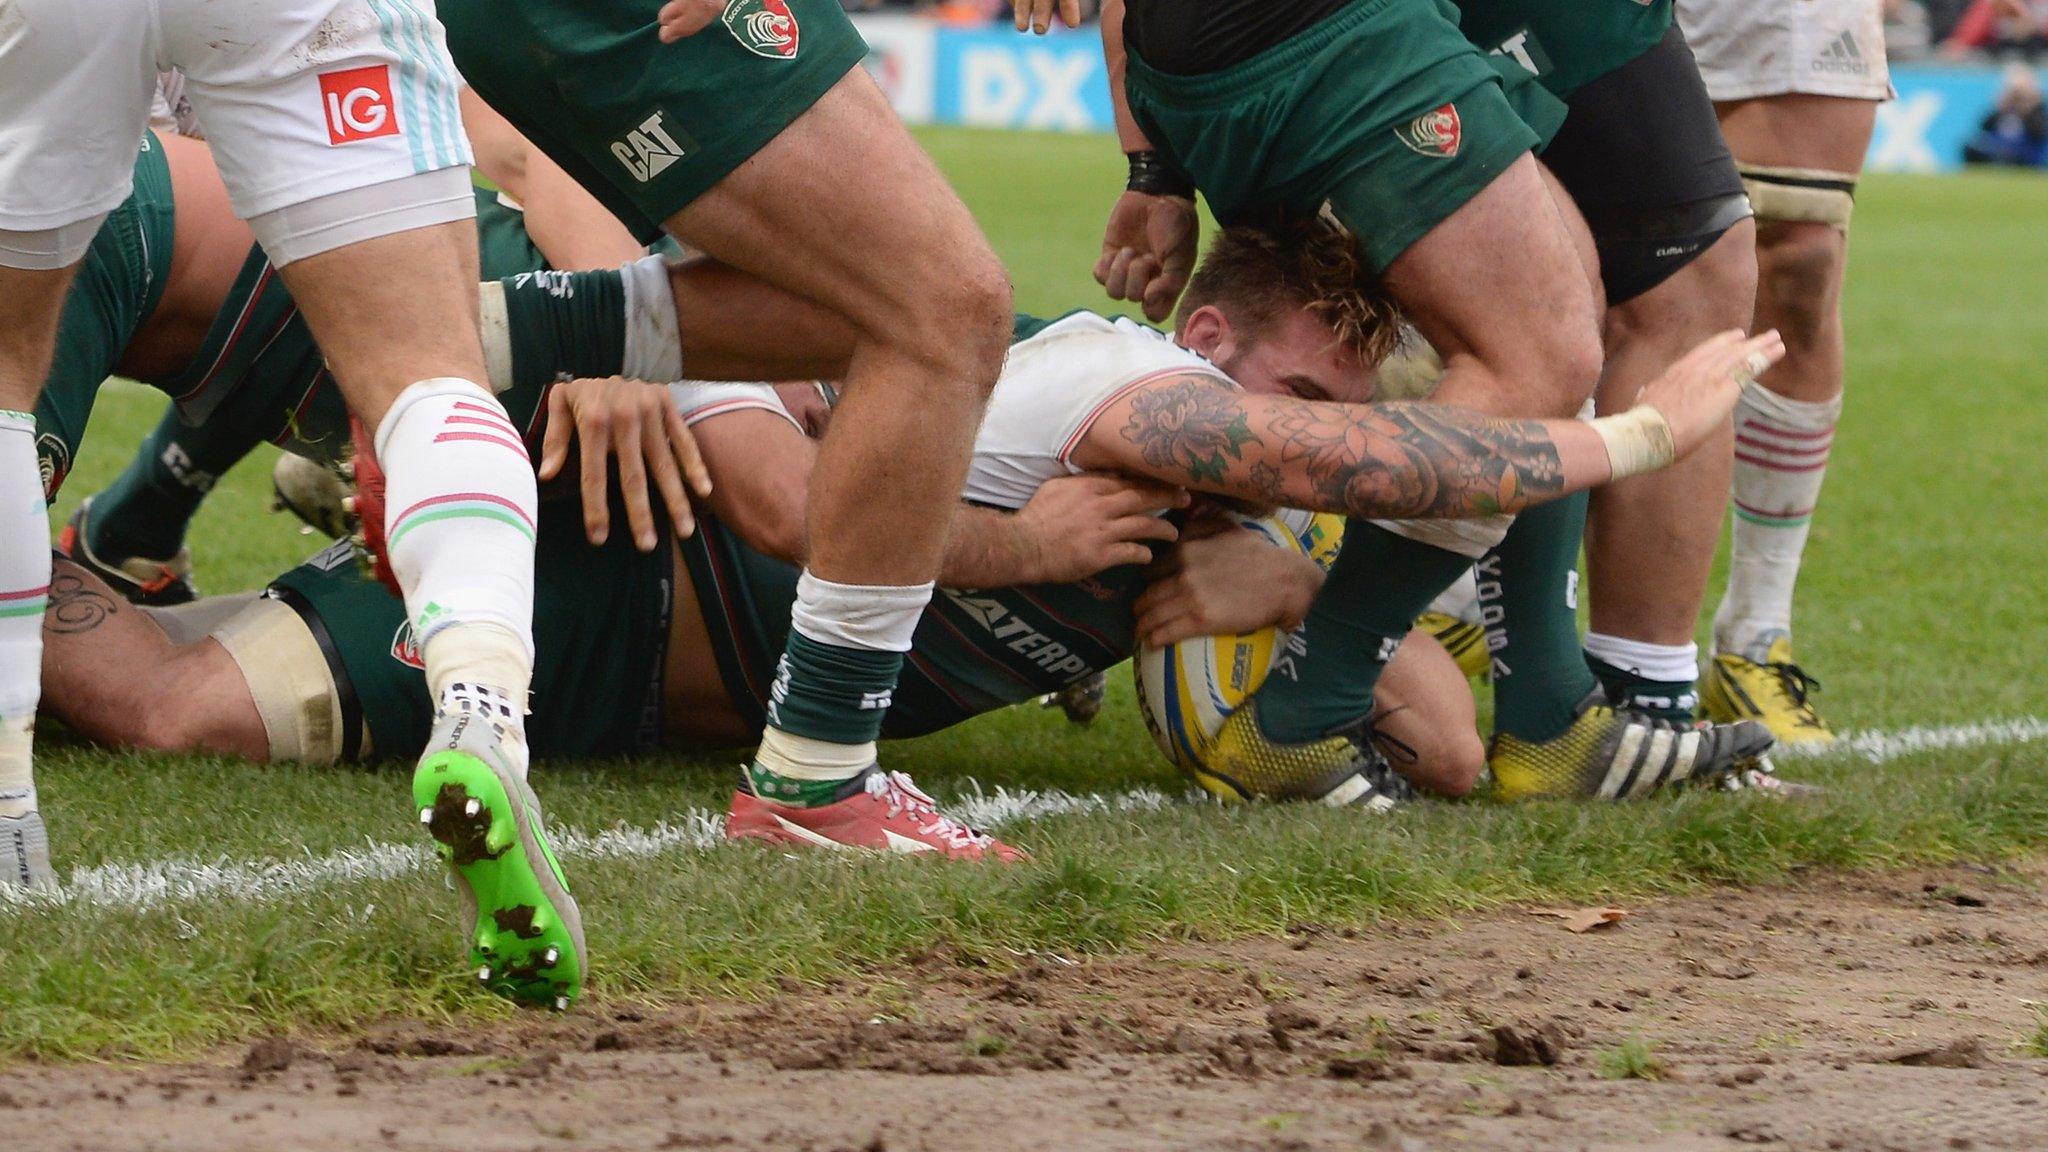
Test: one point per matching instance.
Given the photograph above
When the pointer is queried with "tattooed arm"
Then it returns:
(1410, 461)
(1391, 461)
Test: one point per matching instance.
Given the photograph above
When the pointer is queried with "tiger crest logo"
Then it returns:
(764, 27)
(405, 647)
(53, 462)
(1437, 133)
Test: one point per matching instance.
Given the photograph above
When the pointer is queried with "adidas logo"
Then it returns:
(1842, 58)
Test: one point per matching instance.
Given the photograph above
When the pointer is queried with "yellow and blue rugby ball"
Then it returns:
(1187, 690)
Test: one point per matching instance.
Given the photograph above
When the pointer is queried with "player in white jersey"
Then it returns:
(335, 126)
(1797, 87)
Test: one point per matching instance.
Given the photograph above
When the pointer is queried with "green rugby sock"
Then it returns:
(1380, 583)
(147, 508)
(1528, 596)
(565, 324)
(835, 695)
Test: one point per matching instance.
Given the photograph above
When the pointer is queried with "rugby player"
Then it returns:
(760, 141)
(1642, 157)
(1425, 159)
(132, 534)
(1078, 393)
(338, 135)
(1797, 87)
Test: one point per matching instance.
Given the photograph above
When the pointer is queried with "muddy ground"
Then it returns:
(1861, 1013)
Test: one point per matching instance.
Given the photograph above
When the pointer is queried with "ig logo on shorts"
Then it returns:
(358, 104)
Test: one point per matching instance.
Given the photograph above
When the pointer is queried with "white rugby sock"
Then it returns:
(1650, 661)
(24, 590)
(460, 509)
(1781, 456)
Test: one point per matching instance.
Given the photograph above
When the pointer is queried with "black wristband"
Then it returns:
(1154, 175)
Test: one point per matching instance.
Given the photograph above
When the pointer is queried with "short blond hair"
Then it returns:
(1256, 276)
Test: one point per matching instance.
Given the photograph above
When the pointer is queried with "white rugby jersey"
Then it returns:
(1054, 384)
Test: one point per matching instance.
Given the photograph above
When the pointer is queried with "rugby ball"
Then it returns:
(1187, 690)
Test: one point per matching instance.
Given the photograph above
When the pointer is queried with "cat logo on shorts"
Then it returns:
(1435, 133)
(358, 104)
(405, 648)
(763, 27)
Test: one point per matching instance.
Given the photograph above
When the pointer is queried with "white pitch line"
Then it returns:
(1882, 747)
(187, 879)
(183, 880)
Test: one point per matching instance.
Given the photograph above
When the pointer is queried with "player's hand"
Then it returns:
(1077, 526)
(681, 18)
(1697, 394)
(1148, 250)
(1223, 580)
(638, 425)
(1036, 15)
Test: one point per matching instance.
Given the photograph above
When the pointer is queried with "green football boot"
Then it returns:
(524, 931)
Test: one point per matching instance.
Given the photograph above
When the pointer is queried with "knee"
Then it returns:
(1568, 371)
(1461, 760)
(1447, 761)
(960, 321)
(1713, 293)
(1799, 268)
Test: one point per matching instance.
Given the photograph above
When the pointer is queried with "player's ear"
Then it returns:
(1207, 331)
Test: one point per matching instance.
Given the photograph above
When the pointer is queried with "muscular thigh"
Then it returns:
(842, 207)
(1798, 130)
(1500, 282)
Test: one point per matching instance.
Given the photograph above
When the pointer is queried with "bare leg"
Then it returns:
(1501, 291)
(1801, 264)
(737, 327)
(379, 343)
(891, 249)
(1651, 539)
(1425, 703)
(1785, 422)
(30, 304)
(113, 676)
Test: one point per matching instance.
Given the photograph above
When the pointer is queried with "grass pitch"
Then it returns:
(1922, 604)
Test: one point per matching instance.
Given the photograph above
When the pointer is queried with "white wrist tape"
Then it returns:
(1638, 441)
(496, 326)
(654, 341)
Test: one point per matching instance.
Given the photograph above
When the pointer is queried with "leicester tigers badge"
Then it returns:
(53, 460)
(405, 647)
(1437, 133)
(763, 27)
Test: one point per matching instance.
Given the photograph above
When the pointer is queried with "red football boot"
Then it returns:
(878, 810)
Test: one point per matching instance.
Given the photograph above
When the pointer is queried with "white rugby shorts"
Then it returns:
(1753, 48)
(300, 98)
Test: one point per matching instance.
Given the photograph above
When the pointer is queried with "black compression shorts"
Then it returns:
(1642, 154)
(1195, 37)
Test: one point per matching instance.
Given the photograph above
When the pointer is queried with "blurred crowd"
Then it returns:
(1914, 29)
(961, 12)
(1966, 29)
